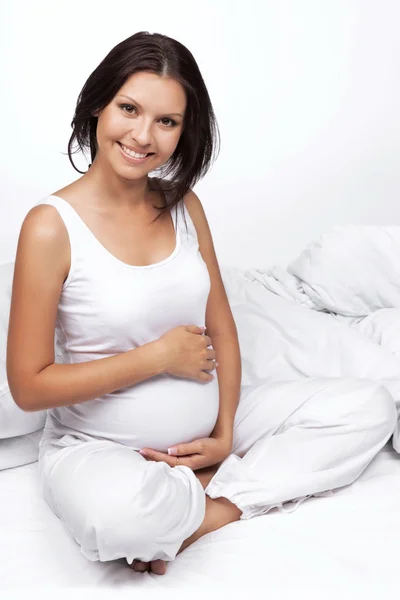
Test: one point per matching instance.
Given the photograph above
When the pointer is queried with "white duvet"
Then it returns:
(334, 312)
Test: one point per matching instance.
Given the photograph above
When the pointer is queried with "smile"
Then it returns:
(134, 157)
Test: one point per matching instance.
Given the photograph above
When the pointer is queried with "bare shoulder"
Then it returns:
(192, 201)
(44, 237)
(43, 220)
(197, 213)
(198, 216)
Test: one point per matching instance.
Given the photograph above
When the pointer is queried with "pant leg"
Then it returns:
(300, 438)
(115, 504)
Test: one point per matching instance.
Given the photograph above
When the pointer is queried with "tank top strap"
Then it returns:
(180, 217)
(71, 219)
(186, 226)
(80, 242)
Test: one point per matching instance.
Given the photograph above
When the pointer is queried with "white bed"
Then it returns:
(344, 310)
(350, 538)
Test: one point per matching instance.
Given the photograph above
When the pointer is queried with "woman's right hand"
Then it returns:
(187, 354)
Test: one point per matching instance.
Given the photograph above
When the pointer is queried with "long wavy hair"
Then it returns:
(199, 143)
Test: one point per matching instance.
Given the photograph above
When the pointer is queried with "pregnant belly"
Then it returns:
(156, 413)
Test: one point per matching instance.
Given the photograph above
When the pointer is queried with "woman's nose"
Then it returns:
(142, 133)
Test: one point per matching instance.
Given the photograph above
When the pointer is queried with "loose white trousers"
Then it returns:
(291, 440)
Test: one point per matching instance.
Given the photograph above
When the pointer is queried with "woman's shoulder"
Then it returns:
(43, 234)
(43, 220)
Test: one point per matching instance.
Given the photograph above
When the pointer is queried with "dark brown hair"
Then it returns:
(198, 145)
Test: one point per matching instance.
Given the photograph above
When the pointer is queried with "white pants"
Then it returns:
(291, 440)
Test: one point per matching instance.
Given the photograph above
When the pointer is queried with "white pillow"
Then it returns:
(14, 421)
(21, 450)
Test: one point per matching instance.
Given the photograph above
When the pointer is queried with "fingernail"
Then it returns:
(172, 450)
(143, 452)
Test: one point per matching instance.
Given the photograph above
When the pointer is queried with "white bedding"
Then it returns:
(350, 539)
(292, 325)
(335, 310)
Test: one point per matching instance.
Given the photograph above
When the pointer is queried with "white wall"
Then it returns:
(307, 95)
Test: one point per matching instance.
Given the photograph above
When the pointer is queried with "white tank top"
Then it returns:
(107, 307)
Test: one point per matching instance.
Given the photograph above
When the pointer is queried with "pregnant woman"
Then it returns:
(145, 447)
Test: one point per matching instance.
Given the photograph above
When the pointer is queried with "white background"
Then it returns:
(306, 93)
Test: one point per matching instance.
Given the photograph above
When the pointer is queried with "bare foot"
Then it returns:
(156, 566)
(219, 512)
(219, 520)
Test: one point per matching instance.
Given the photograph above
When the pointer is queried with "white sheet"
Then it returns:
(350, 539)
(350, 276)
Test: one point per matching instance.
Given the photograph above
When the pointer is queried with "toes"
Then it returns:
(140, 566)
(158, 567)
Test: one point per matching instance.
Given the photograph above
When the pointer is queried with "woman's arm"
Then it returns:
(36, 382)
(229, 372)
(220, 325)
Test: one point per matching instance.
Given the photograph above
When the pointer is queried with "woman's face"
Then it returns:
(144, 118)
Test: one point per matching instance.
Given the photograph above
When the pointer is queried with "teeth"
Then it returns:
(132, 153)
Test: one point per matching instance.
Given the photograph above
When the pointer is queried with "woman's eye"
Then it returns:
(129, 108)
(168, 122)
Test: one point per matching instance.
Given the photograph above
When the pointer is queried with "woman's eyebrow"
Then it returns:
(137, 103)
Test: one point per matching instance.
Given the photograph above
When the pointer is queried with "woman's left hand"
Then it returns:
(198, 454)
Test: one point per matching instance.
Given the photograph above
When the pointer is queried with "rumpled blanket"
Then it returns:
(335, 311)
